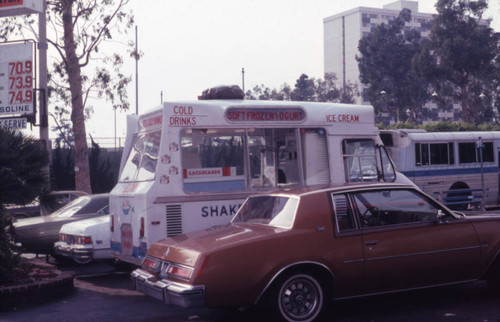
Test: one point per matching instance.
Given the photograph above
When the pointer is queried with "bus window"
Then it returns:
(439, 153)
(487, 152)
(142, 158)
(434, 154)
(425, 154)
(360, 160)
(468, 153)
(212, 159)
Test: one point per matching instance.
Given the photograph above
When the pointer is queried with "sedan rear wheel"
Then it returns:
(300, 298)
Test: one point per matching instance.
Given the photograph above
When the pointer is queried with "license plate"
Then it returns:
(127, 239)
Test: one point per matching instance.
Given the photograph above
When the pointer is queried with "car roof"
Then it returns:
(345, 187)
(97, 195)
(73, 192)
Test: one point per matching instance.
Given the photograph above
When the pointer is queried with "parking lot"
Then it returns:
(103, 293)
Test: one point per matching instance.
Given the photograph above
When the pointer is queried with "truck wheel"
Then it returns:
(299, 297)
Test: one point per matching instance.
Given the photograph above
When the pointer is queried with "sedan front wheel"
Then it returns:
(494, 277)
(300, 298)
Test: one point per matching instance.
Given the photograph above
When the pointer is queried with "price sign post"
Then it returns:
(17, 82)
(16, 79)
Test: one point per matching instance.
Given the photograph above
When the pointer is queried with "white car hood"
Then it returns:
(86, 226)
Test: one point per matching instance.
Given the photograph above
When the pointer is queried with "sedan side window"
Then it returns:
(343, 213)
(393, 207)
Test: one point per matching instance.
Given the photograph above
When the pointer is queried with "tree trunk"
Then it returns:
(467, 116)
(82, 177)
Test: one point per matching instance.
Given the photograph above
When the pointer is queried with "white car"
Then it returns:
(85, 240)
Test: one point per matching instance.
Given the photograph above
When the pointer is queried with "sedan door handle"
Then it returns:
(371, 242)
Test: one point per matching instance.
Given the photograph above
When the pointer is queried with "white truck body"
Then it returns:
(192, 164)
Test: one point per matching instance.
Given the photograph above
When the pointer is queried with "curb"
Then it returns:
(12, 297)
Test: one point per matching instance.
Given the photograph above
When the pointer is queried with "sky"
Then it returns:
(192, 45)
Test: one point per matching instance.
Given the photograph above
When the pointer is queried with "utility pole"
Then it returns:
(243, 79)
(42, 69)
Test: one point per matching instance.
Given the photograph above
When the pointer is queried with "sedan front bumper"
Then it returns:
(178, 294)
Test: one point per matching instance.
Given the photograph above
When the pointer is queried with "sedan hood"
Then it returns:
(187, 248)
(26, 223)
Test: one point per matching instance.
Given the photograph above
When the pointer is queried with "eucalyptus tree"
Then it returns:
(22, 159)
(81, 68)
(461, 59)
(385, 65)
(307, 89)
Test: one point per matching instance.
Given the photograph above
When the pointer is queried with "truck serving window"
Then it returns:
(248, 159)
(142, 158)
(212, 159)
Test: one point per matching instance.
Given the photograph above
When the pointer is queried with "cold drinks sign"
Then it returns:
(16, 79)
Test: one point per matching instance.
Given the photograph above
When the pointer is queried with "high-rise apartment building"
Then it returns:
(343, 31)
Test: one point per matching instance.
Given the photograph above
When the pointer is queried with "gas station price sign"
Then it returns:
(16, 79)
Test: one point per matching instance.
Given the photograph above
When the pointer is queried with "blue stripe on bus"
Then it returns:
(449, 172)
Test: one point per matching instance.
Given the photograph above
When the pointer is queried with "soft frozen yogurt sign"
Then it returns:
(268, 114)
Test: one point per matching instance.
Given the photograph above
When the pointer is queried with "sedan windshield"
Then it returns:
(71, 208)
(268, 210)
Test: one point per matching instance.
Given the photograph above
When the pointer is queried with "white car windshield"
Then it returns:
(275, 211)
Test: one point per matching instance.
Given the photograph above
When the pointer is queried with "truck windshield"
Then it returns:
(268, 210)
(142, 158)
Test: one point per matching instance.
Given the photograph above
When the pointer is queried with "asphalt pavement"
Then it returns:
(103, 293)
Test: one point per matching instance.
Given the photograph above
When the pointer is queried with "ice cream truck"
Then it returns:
(191, 164)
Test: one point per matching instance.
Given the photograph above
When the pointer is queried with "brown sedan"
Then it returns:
(294, 250)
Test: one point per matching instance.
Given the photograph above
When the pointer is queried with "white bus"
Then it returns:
(192, 164)
(454, 167)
